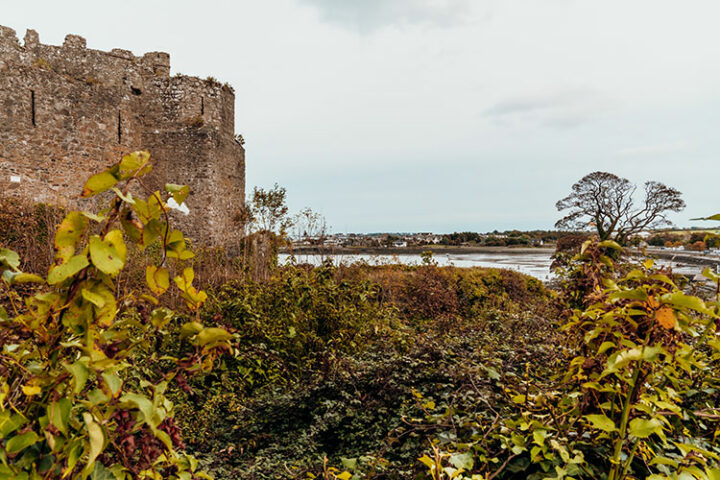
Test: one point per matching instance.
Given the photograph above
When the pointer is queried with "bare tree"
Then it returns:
(310, 227)
(605, 201)
(268, 210)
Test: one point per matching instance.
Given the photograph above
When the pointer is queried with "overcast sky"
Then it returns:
(439, 115)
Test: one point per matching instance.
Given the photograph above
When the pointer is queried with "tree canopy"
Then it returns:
(606, 202)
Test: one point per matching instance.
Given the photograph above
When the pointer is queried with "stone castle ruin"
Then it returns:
(67, 112)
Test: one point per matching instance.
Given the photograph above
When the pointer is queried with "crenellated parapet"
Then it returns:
(69, 110)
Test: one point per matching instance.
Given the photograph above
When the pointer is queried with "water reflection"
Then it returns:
(535, 264)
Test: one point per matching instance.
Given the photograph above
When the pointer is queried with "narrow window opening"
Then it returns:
(202, 105)
(32, 107)
(119, 128)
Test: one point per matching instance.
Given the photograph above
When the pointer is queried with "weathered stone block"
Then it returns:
(68, 112)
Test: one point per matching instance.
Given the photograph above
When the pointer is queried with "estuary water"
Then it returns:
(536, 264)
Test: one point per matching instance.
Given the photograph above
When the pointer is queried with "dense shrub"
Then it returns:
(632, 391)
(29, 229)
(75, 398)
(328, 361)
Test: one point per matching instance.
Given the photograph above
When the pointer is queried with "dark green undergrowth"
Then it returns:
(348, 363)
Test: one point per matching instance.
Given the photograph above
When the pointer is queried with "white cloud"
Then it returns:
(371, 15)
(559, 108)
(658, 149)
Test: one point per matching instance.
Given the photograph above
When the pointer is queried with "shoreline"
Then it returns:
(415, 250)
(690, 258)
(685, 257)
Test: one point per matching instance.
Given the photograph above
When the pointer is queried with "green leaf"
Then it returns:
(712, 473)
(96, 439)
(176, 241)
(711, 217)
(101, 473)
(108, 255)
(94, 298)
(19, 443)
(605, 346)
(95, 217)
(134, 164)
(190, 328)
(98, 183)
(59, 414)
(12, 278)
(185, 280)
(9, 423)
(104, 301)
(349, 463)
(211, 336)
(637, 294)
(161, 317)
(462, 460)
(97, 396)
(182, 255)
(642, 428)
(125, 198)
(69, 234)
(427, 461)
(133, 228)
(193, 298)
(178, 192)
(74, 454)
(80, 373)
(710, 274)
(679, 299)
(610, 244)
(9, 259)
(601, 422)
(658, 460)
(663, 278)
(113, 382)
(60, 273)
(143, 404)
(623, 358)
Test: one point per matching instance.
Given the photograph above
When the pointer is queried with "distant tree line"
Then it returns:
(503, 239)
(694, 241)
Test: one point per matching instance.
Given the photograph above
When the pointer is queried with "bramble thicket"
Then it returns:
(343, 372)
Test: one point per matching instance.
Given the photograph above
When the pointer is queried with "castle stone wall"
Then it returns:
(67, 112)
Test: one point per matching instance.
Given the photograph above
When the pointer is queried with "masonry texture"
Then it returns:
(67, 112)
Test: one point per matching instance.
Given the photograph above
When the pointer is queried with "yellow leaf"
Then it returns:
(31, 390)
(96, 440)
(666, 317)
(652, 303)
(157, 278)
